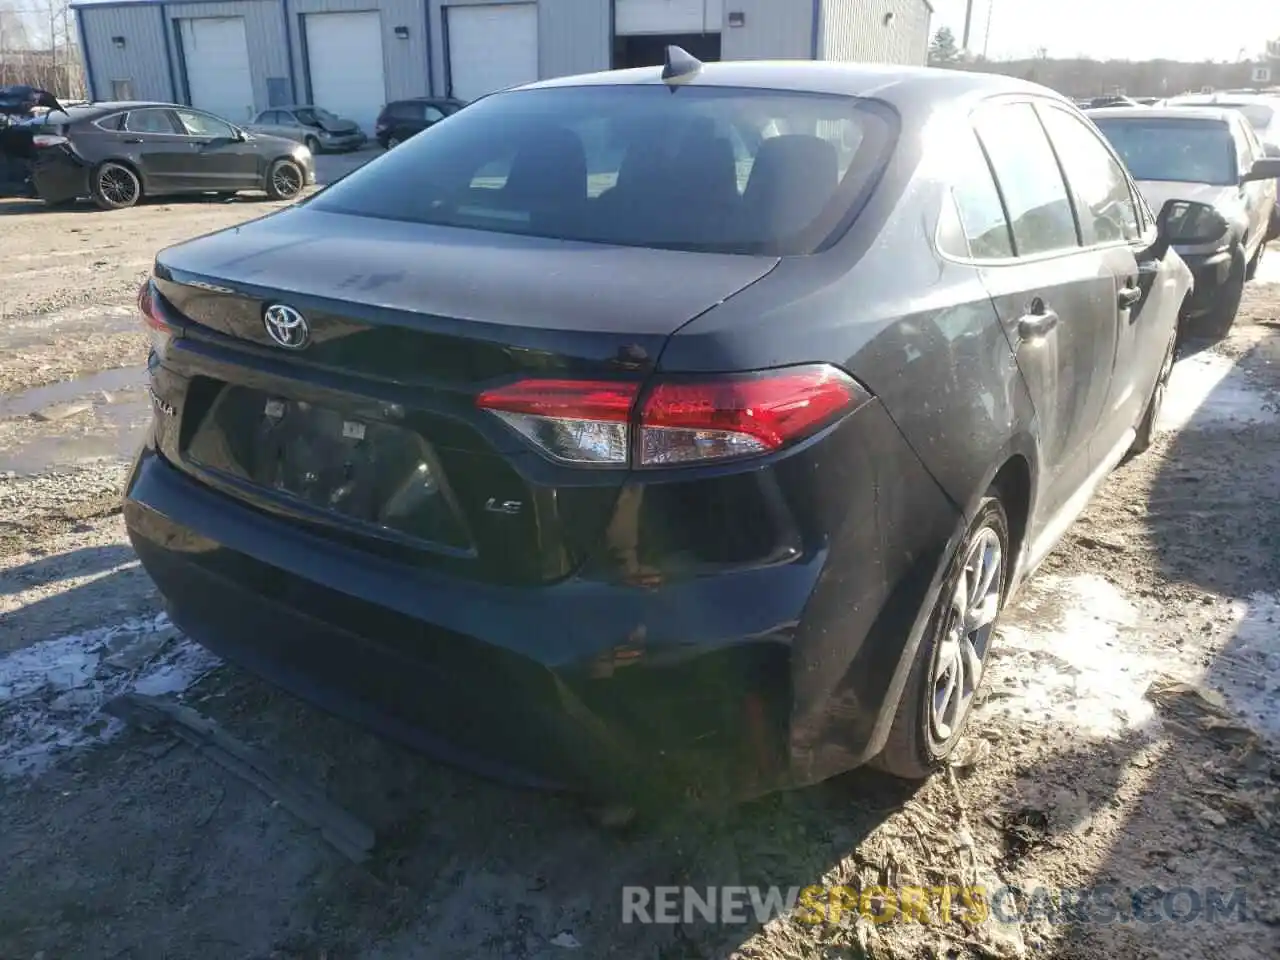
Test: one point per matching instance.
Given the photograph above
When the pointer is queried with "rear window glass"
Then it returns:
(1190, 151)
(705, 169)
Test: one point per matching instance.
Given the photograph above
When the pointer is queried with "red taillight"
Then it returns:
(574, 421)
(150, 310)
(47, 140)
(680, 421)
(740, 416)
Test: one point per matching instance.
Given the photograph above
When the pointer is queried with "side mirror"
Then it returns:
(1267, 168)
(1188, 222)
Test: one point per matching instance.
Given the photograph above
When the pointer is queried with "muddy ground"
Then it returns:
(1127, 742)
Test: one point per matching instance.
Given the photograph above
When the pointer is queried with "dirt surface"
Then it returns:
(1127, 741)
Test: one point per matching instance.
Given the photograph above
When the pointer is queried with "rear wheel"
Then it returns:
(115, 186)
(1227, 304)
(284, 180)
(1147, 428)
(950, 662)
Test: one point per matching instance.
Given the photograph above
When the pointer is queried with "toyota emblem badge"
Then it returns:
(286, 326)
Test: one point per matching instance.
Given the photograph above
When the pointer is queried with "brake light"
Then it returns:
(149, 309)
(159, 325)
(680, 421)
(574, 421)
(741, 416)
(47, 140)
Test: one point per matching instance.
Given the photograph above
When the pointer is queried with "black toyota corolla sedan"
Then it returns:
(630, 432)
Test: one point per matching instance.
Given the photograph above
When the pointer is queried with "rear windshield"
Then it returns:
(704, 169)
(1192, 151)
(60, 117)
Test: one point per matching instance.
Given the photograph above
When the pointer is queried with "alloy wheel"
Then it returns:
(961, 653)
(287, 179)
(118, 185)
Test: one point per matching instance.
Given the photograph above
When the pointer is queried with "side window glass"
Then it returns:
(203, 125)
(148, 121)
(1103, 201)
(434, 115)
(984, 229)
(1030, 181)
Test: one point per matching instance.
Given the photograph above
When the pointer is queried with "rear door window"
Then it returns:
(1030, 180)
(406, 110)
(1104, 203)
(712, 169)
(203, 125)
(149, 121)
(984, 229)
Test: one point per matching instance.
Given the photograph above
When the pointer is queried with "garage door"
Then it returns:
(216, 55)
(667, 16)
(491, 47)
(344, 54)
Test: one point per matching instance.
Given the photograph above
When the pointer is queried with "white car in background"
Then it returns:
(1211, 159)
(1262, 110)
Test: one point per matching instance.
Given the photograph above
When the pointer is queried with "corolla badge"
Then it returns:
(286, 326)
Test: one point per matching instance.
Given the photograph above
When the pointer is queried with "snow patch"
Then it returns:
(1069, 658)
(1208, 390)
(51, 692)
(1077, 655)
(1269, 269)
(1247, 668)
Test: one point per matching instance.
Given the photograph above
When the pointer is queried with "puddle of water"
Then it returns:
(118, 431)
(42, 328)
(115, 433)
(28, 402)
(1207, 389)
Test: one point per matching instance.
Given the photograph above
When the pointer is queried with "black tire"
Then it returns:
(1252, 270)
(115, 186)
(1147, 426)
(1217, 323)
(312, 144)
(285, 180)
(391, 142)
(918, 743)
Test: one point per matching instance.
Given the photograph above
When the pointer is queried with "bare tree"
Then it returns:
(38, 46)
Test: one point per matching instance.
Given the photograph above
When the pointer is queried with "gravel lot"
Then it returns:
(1129, 737)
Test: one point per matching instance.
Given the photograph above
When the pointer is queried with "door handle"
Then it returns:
(1036, 325)
(1128, 296)
(133, 140)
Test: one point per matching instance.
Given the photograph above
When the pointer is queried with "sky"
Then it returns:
(1119, 29)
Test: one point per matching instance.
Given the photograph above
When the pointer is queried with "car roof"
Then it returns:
(1207, 114)
(899, 85)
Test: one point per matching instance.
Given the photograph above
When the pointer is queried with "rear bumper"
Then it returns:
(554, 687)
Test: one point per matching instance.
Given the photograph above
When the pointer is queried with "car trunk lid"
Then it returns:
(370, 430)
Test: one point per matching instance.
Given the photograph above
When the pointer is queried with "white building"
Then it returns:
(235, 57)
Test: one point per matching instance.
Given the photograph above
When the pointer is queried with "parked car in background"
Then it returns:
(401, 119)
(1113, 100)
(1263, 113)
(317, 128)
(681, 438)
(118, 153)
(1212, 158)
